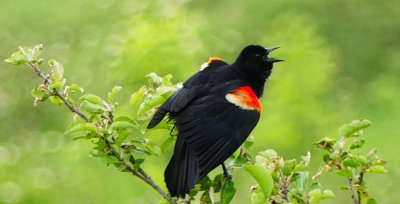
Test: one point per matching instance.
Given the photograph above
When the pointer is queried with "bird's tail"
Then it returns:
(181, 173)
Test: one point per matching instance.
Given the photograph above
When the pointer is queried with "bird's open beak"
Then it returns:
(272, 60)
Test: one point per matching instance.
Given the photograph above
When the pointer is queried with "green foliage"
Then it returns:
(17, 58)
(345, 161)
(264, 180)
(228, 191)
(284, 181)
(123, 141)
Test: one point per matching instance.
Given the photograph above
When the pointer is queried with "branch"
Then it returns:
(284, 187)
(351, 191)
(140, 173)
(360, 180)
(72, 108)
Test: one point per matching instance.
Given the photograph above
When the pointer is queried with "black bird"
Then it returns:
(214, 111)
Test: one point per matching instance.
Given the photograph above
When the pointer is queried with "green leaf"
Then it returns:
(360, 159)
(75, 88)
(379, 162)
(91, 98)
(107, 160)
(326, 143)
(348, 130)
(317, 195)
(263, 178)
(377, 169)
(17, 58)
(166, 80)
(79, 126)
(137, 96)
(56, 100)
(372, 153)
(153, 149)
(154, 79)
(40, 94)
(111, 95)
(205, 197)
(218, 182)
(139, 140)
(248, 142)
(228, 191)
(137, 163)
(121, 135)
(357, 143)
(257, 195)
(326, 158)
(167, 144)
(205, 183)
(57, 84)
(371, 201)
(301, 180)
(57, 70)
(150, 103)
(351, 162)
(345, 172)
(93, 108)
(33, 53)
(315, 185)
(269, 153)
(193, 192)
(125, 118)
(288, 167)
(339, 146)
(121, 125)
(165, 91)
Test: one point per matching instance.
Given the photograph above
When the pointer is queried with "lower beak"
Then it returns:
(273, 60)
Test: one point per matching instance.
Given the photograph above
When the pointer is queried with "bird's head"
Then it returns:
(254, 60)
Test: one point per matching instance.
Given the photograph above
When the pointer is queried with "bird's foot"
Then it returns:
(226, 172)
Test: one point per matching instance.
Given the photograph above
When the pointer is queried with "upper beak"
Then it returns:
(271, 49)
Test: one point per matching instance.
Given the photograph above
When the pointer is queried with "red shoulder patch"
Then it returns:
(245, 98)
(211, 59)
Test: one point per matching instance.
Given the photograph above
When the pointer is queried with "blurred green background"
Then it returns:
(342, 62)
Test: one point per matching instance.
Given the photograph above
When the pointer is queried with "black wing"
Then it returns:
(195, 86)
(210, 130)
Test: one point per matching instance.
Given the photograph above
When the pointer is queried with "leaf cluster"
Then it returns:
(343, 158)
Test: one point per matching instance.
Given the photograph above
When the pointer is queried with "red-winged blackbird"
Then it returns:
(214, 111)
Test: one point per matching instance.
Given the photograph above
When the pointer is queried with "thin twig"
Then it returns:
(284, 186)
(150, 181)
(360, 180)
(140, 173)
(352, 191)
(72, 108)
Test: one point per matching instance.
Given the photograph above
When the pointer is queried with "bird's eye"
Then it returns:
(258, 57)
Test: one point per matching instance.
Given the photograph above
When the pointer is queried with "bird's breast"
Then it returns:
(245, 98)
